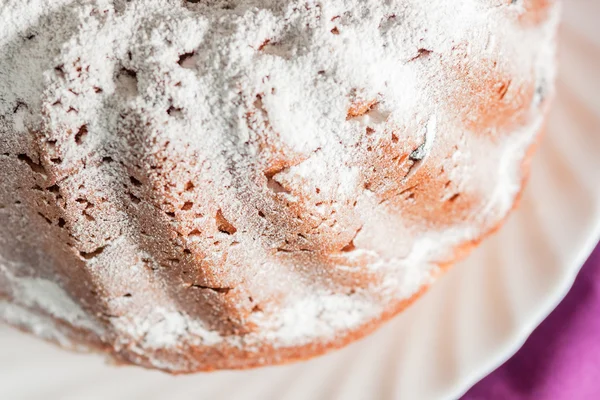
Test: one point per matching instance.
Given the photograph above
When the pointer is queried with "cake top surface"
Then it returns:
(318, 158)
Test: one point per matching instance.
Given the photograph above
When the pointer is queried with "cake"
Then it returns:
(213, 184)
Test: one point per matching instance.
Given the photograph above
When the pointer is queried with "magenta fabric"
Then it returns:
(561, 359)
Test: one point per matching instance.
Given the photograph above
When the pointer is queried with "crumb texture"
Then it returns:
(192, 185)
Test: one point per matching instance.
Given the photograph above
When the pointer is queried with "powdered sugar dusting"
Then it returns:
(163, 328)
(43, 327)
(47, 296)
(296, 323)
(234, 173)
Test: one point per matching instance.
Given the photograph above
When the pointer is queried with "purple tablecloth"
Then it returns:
(561, 359)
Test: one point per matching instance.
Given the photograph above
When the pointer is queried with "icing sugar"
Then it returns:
(41, 326)
(208, 81)
(41, 294)
(162, 328)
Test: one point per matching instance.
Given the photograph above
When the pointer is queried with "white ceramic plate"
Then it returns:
(473, 319)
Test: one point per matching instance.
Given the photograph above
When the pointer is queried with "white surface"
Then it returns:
(474, 318)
